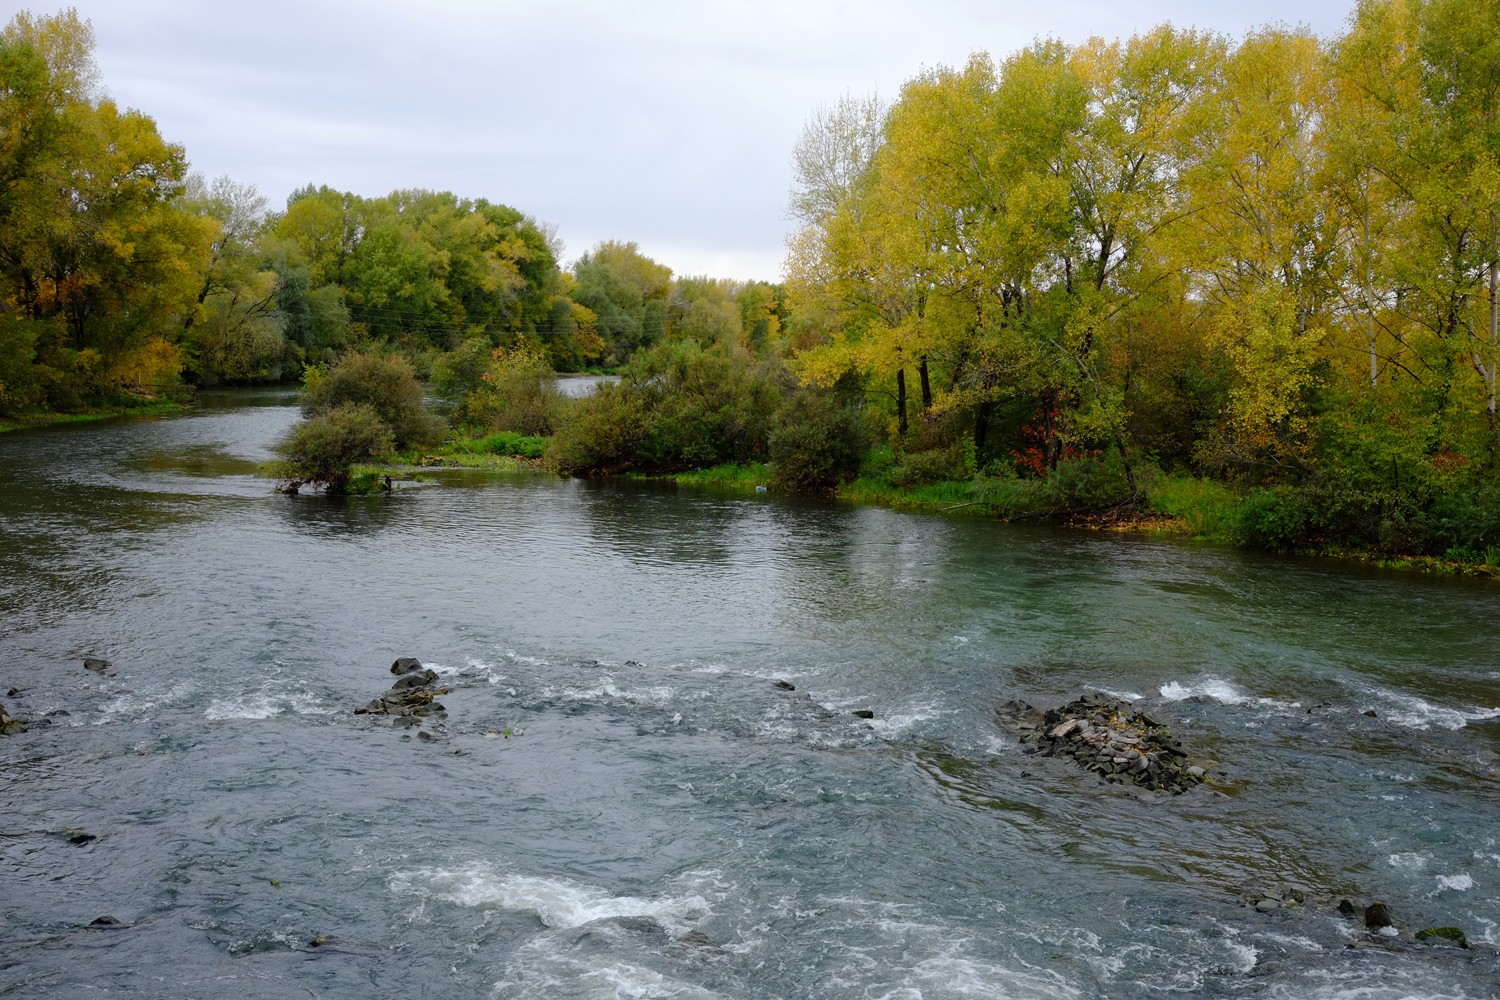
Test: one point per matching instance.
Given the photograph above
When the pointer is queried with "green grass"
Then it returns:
(496, 443)
(1208, 510)
(732, 475)
(22, 421)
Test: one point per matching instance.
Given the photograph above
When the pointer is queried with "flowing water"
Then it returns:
(622, 803)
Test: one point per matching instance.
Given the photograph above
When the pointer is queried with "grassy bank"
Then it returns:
(25, 421)
(1170, 506)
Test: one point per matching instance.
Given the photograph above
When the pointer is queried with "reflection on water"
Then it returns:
(623, 802)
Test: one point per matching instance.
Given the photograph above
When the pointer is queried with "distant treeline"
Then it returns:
(1275, 262)
(121, 274)
(1070, 279)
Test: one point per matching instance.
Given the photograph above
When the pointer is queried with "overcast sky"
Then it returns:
(667, 123)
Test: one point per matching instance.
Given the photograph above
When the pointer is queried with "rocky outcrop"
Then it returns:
(1105, 736)
(413, 696)
(10, 725)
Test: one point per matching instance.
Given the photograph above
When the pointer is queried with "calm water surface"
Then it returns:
(622, 803)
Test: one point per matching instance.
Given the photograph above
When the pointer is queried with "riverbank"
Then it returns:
(1170, 506)
(1167, 506)
(28, 421)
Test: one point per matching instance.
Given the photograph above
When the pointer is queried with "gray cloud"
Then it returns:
(670, 124)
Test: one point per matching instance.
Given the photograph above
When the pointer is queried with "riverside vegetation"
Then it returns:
(1250, 290)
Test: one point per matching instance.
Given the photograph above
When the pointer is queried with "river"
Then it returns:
(622, 803)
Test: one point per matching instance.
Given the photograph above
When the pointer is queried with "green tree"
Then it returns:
(626, 292)
(388, 385)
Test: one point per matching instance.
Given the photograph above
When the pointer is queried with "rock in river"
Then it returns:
(412, 696)
(1104, 735)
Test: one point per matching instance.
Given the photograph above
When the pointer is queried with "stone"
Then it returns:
(415, 680)
(1372, 713)
(1267, 905)
(95, 664)
(1377, 916)
(79, 839)
(376, 707)
(406, 665)
(786, 686)
(1195, 772)
(1347, 909)
(1062, 729)
(1453, 936)
(320, 940)
(863, 713)
(107, 921)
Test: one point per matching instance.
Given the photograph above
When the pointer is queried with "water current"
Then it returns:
(622, 802)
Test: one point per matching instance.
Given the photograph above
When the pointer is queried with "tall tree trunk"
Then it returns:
(901, 402)
(926, 385)
(981, 427)
(1051, 439)
(1488, 371)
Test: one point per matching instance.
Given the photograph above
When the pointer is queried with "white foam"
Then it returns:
(655, 695)
(1243, 956)
(134, 706)
(957, 976)
(557, 902)
(625, 980)
(1220, 690)
(544, 968)
(1417, 713)
(1408, 861)
(1462, 882)
(266, 705)
(900, 720)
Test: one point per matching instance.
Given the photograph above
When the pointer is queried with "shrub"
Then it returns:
(322, 450)
(601, 432)
(1468, 519)
(457, 374)
(388, 385)
(817, 441)
(1085, 483)
(935, 465)
(1276, 518)
(705, 406)
(516, 392)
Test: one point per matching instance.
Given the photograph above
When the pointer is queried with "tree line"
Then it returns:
(1272, 261)
(1076, 277)
(122, 275)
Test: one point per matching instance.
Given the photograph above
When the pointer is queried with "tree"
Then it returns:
(626, 292)
(94, 244)
(234, 332)
(388, 385)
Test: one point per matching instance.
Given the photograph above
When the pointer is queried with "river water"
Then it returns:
(623, 804)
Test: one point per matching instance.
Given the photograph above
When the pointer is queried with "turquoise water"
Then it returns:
(621, 802)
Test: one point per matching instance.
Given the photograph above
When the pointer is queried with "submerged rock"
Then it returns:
(1444, 936)
(95, 664)
(786, 686)
(1377, 916)
(412, 696)
(9, 725)
(1104, 735)
(863, 713)
(107, 921)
